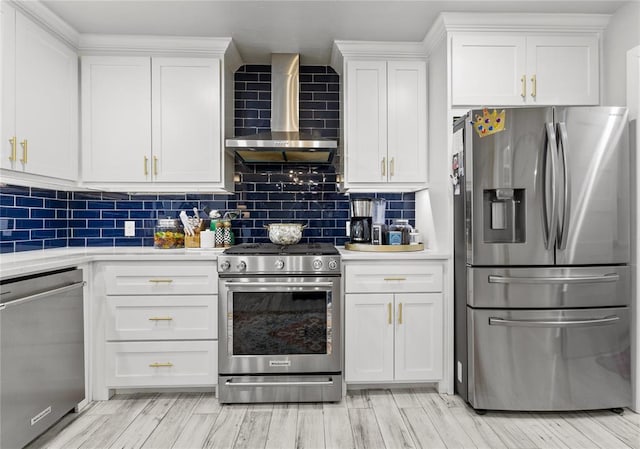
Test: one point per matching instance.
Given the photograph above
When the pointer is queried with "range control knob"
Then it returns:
(279, 264)
(224, 266)
(242, 265)
(333, 264)
(317, 264)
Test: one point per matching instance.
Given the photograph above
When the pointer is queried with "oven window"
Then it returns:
(280, 323)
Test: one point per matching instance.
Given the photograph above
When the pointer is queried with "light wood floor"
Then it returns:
(367, 419)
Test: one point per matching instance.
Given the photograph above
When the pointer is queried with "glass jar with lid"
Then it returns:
(168, 234)
(402, 225)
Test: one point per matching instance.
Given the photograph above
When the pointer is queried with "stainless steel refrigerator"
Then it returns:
(542, 250)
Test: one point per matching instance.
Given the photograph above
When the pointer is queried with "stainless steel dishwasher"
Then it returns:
(41, 353)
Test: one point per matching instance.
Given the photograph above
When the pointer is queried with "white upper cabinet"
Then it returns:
(563, 70)
(39, 100)
(385, 116)
(386, 122)
(407, 122)
(186, 108)
(487, 69)
(366, 106)
(151, 120)
(513, 69)
(116, 119)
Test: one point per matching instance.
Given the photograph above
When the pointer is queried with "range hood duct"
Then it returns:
(285, 142)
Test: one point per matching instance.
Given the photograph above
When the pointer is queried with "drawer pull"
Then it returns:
(400, 313)
(389, 314)
(160, 318)
(609, 277)
(395, 279)
(161, 365)
(493, 321)
(161, 281)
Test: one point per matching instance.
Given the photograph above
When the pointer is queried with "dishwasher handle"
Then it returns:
(42, 295)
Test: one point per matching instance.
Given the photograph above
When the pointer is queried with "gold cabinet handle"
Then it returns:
(160, 365)
(392, 168)
(523, 83)
(400, 313)
(13, 141)
(384, 166)
(155, 165)
(395, 278)
(146, 166)
(161, 281)
(389, 312)
(161, 318)
(25, 150)
(534, 86)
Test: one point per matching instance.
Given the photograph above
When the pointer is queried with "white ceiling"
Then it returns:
(308, 27)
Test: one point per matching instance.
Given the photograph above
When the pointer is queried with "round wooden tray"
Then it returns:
(383, 248)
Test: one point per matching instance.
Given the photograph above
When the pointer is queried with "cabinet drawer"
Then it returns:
(162, 318)
(399, 277)
(161, 278)
(170, 364)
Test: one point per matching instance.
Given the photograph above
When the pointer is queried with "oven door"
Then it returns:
(279, 325)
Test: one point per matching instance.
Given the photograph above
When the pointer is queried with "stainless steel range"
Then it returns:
(279, 321)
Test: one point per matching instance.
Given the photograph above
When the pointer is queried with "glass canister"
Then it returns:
(402, 225)
(168, 234)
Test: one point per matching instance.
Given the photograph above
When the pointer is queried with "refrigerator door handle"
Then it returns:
(566, 201)
(611, 277)
(552, 223)
(545, 323)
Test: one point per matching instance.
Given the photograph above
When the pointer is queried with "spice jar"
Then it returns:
(168, 234)
(404, 227)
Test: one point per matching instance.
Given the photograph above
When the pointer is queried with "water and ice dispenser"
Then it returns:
(504, 215)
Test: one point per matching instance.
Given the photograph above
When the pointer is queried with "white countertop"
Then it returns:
(426, 254)
(30, 262)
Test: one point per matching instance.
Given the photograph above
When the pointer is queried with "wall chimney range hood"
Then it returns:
(285, 142)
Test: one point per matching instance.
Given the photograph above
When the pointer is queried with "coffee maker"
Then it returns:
(360, 220)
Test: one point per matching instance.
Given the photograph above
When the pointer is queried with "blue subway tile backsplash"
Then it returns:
(319, 100)
(33, 218)
(301, 194)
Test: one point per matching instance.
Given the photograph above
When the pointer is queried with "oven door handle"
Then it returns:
(278, 284)
(302, 383)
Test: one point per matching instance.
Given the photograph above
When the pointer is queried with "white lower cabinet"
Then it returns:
(162, 363)
(159, 321)
(177, 317)
(396, 334)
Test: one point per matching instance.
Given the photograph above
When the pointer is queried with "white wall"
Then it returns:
(621, 35)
